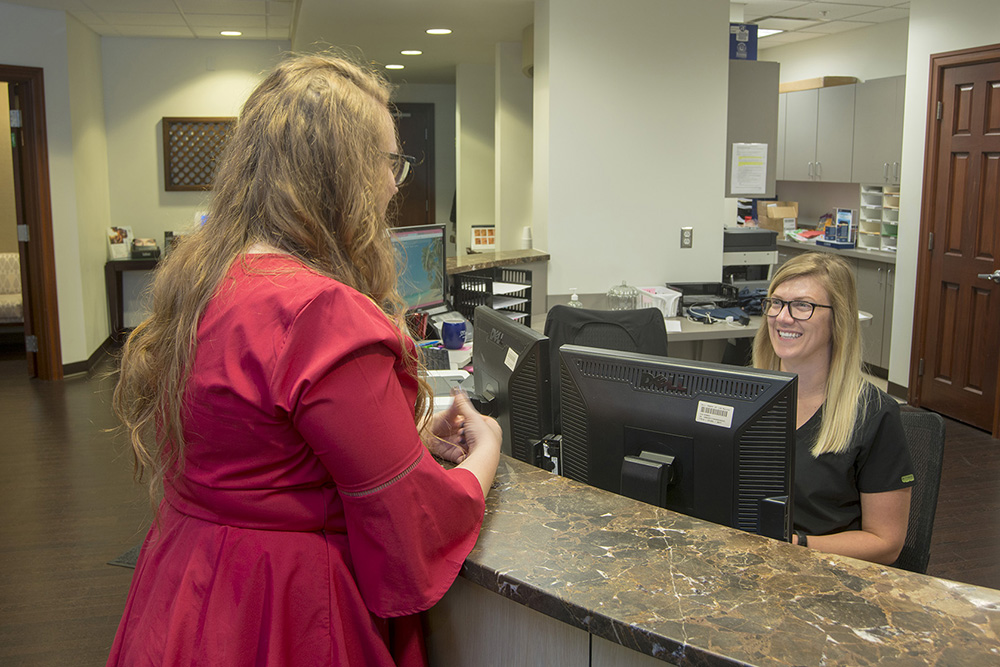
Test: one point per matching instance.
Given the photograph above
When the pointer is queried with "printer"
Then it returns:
(749, 254)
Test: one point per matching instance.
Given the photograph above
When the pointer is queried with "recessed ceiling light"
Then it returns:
(231, 33)
(439, 31)
(411, 53)
(764, 32)
(394, 67)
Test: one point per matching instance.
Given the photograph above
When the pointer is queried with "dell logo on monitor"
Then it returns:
(496, 336)
(659, 382)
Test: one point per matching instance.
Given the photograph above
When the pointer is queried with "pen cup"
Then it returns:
(453, 334)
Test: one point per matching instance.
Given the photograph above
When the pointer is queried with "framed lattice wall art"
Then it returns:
(191, 150)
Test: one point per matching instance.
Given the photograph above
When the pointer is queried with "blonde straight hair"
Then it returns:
(302, 172)
(844, 406)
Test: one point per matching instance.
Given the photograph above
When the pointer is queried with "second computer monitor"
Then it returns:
(712, 441)
(510, 364)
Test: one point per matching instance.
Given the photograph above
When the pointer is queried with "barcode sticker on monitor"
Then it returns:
(714, 414)
(511, 360)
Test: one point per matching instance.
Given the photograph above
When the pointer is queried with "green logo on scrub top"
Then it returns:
(907, 479)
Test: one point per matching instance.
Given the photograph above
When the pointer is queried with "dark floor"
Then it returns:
(68, 505)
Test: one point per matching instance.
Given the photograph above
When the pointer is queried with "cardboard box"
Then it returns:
(778, 216)
(818, 82)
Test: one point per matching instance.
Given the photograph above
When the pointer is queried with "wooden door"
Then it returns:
(415, 202)
(957, 324)
(34, 210)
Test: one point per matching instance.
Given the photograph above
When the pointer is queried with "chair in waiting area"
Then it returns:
(641, 330)
(925, 442)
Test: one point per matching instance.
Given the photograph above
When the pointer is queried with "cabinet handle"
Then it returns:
(819, 169)
(879, 282)
(895, 171)
(885, 171)
(810, 169)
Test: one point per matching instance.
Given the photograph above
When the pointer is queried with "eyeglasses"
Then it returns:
(799, 310)
(401, 166)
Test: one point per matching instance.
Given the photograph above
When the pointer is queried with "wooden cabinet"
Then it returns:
(819, 134)
(878, 130)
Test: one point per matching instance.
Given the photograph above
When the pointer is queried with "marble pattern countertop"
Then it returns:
(694, 593)
(488, 260)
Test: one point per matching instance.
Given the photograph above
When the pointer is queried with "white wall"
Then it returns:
(513, 147)
(475, 110)
(935, 27)
(37, 38)
(146, 80)
(632, 139)
(867, 53)
(90, 166)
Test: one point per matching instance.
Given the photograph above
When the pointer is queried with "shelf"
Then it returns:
(500, 289)
(500, 302)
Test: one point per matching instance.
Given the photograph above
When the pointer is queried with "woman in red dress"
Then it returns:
(272, 395)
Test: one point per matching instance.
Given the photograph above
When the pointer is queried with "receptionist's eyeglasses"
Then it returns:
(799, 310)
(401, 166)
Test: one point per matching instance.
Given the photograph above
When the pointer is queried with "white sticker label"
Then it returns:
(511, 360)
(714, 414)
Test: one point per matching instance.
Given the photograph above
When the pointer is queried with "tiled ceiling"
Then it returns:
(381, 28)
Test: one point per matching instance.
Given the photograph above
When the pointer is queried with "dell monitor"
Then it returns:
(510, 364)
(707, 440)
(422, 276)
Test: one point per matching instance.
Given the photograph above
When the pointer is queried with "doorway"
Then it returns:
(415, 123)
(33, 212)
(956, 332)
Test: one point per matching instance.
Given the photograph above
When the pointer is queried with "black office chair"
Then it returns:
(642, 331)
(925, 442)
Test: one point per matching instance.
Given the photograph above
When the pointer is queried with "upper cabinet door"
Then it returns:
(800, 134)
(782, 115)
(878, 131)
(835, 134)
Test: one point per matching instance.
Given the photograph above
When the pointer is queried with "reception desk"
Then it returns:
(565, 574)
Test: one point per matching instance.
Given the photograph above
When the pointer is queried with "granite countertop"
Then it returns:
(695, 593)
(858, 253)
(488, 260)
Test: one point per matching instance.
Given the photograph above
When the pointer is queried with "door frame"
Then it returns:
(939, 62)
(36, 207)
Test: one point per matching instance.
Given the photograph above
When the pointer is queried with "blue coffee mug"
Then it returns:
(453, 335)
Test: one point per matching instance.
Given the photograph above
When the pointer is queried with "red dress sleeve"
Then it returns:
(410, 523)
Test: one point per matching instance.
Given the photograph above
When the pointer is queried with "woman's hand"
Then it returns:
(462, 435)
(442, 434)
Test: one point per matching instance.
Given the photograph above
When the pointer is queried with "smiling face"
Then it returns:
(802, 343)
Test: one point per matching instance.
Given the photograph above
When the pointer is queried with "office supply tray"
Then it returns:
(502, 289)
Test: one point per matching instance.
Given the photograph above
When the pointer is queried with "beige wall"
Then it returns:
(8, 214)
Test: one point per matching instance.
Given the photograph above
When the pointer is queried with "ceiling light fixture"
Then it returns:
(411, 53)
(231, 33)
(764, 32)
(439, 31)
(394, 67)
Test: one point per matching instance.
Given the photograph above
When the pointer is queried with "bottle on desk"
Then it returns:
(574, 299)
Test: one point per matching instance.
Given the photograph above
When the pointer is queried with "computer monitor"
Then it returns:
(510, 363)
(712, 441)
(422, 277)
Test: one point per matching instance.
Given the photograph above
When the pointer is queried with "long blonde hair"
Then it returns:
(303, 172)
(845, 384)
